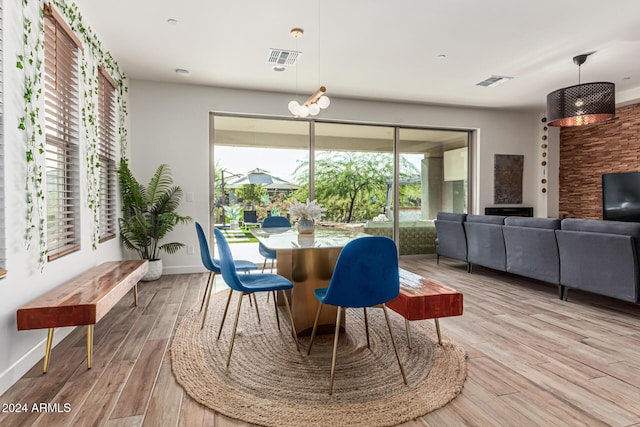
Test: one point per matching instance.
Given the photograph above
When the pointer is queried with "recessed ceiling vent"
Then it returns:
(494, 81)
(283, 57)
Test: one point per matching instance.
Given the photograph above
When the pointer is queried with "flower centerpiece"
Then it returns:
(306, 213)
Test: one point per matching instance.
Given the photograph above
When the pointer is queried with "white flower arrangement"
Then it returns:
(309, 210)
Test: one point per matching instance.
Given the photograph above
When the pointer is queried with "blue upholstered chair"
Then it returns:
(366, 275)
(247, 285)
(213, 265)
(271, 222)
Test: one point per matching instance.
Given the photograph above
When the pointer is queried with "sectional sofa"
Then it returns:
(590, 255)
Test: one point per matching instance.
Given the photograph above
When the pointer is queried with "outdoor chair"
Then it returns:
(250, 219)
(213, 265)
(247, 285)
(366, 275)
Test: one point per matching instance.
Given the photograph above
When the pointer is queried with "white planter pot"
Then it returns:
(234, 224)
(154, 272)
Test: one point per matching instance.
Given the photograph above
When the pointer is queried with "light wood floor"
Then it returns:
(533, 359)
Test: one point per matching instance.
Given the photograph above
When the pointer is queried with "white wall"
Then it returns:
(170, 124)
(19, 351)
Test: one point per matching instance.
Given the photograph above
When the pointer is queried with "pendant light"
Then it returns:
(582, 104)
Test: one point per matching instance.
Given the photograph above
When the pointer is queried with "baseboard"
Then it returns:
(184, 269)
(34, 356)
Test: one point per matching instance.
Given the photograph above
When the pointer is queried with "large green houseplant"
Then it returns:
(148, 214)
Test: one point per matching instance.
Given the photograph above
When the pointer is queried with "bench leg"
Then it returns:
(407, 328)
(89, 345)
(47, 351)
(366, 326)
(438, 331)
(135, 294)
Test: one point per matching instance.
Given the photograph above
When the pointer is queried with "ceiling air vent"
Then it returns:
(494, 81)
(283, 57)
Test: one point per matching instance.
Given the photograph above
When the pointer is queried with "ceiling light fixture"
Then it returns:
(582, 104)
(317, 101)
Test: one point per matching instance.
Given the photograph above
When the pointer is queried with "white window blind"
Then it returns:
(61, 132)
(3, 235)
(107, 154)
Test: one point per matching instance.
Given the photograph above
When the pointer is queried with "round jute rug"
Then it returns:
(269, 383)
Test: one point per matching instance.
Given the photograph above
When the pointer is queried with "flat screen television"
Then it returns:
(621, 196)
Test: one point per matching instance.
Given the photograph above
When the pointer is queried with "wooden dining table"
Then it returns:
(308, 261)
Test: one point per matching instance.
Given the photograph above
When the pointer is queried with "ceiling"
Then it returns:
(379, 50)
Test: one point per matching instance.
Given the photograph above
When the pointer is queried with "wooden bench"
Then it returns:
(422, 298)
(82, 301)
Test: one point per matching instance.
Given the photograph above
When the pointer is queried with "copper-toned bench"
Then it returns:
(82, 301)
(422, 298)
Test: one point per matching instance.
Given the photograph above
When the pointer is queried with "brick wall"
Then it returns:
(590, 151)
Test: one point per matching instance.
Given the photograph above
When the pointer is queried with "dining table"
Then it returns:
(307, 260)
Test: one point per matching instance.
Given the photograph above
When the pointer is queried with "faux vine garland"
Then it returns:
(31, 63)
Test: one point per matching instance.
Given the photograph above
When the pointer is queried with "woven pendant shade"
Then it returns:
(581, 104)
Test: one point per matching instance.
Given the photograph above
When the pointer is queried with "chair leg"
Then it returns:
(335, 351)
(293, 327)
(315, 328)
(272, 265)
(275, 307)
(235, 327)
(207, 296)
(407, 329)
(206, 289)
(224, 315)
(437, 259)
(264, 264)
(366, 326)
(256, 301)
(393, 341)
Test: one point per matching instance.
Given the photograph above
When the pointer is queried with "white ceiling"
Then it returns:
(375, 49)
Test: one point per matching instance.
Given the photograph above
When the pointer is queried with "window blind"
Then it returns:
(61, 136)
(107, 154)
(3, 235)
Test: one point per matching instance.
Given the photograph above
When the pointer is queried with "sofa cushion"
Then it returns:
(518, 221)
(596, 226)
(450, 216)
(486, 219)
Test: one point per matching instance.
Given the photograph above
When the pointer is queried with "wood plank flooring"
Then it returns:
(533, 359)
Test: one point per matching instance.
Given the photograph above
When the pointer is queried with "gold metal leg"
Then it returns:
(256, 301)
(89, 345)
(233, 335)
(438, 331)
(366, 325)
(275, 306)
(407, 328)
(272, 261)
(206, 289)
(335, 351)
(207, 296)
(293, 326)
(135, 294)
(264, 264)
(315, 327)
(47, 351)
(224, 315)
(393, 341)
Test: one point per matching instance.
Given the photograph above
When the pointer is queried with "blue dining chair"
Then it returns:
(247, 285)
(213, 265)
(271, 222)
(366, 275)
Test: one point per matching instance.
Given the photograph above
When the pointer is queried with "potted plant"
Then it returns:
(234, 213)
(306, 213)
(148, 214)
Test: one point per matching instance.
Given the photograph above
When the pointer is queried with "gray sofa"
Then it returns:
(485, 242)
(600, 257)
(451, 241)
(531, 248)
(591, 255)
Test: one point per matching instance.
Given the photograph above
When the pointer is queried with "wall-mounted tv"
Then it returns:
(621, 196)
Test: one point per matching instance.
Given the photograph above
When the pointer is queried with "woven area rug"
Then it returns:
(269, 383)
